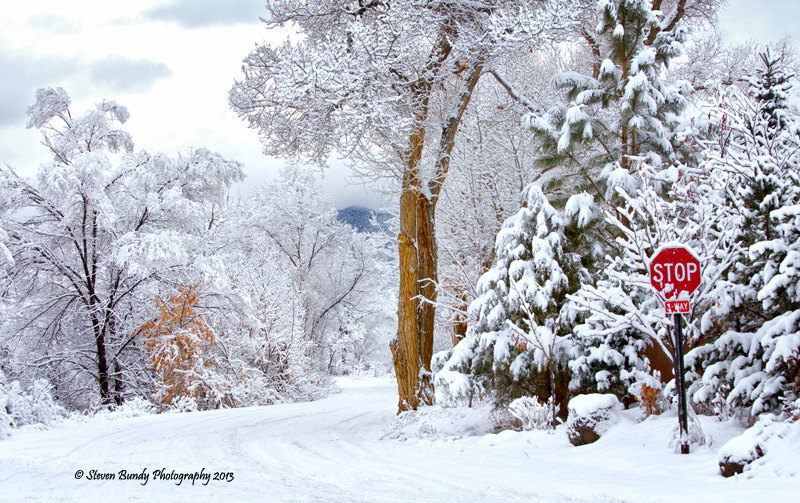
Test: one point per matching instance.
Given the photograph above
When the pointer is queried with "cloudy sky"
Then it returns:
(172, 62)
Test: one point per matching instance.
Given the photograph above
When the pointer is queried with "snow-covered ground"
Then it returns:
(337, 450)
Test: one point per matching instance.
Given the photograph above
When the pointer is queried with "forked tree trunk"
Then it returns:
(413, 349)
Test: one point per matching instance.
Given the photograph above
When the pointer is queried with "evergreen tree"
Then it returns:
(767, 150)
(518, 345)
(771, 86)
(753, 365)
(625, 110)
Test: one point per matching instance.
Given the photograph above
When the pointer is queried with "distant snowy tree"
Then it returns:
(6, 259)
(6, 262)
(293, 296)
(90, 236)
(336, 275)
(481, 192)
(771, 87)
(709, 63)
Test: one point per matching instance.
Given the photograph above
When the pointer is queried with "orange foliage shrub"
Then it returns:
(651, 401)
(176, 341)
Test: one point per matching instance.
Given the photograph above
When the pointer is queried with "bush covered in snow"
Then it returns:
(34, 406)
(437, 422)
(134, 407)
(533, 415)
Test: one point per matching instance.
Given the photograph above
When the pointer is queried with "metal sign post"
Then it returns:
(675, 273)
(683, 409)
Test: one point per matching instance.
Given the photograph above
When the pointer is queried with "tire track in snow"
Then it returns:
(329, 450)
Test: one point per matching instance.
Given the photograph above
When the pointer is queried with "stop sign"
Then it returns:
(674, 269)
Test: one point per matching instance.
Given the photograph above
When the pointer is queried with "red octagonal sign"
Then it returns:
(675, 269)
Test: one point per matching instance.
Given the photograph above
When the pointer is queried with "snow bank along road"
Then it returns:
(331, 451)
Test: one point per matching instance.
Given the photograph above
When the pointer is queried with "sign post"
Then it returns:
(675, 273)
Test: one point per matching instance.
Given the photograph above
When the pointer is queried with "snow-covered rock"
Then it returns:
(590, 416)
(769, 445)
(739, 452)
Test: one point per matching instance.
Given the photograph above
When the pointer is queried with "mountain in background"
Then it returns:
(360, 218)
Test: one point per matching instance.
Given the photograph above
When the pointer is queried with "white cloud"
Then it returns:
(205, 13)
(172, 64)
(764, 20)
(123, 75)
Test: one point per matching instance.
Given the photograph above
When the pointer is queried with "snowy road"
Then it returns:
(332, 451)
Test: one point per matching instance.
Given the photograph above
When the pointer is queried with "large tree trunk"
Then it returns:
(413, 349)
(410, 353)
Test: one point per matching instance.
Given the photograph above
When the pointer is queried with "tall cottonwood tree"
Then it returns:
(386, 84)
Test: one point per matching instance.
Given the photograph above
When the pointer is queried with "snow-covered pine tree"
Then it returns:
(519, 344)
(624, 110)
(769, 170)
(492, 163)
(753, 365)
(771, 86)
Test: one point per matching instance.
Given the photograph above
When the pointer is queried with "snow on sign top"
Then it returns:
(675, 271)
